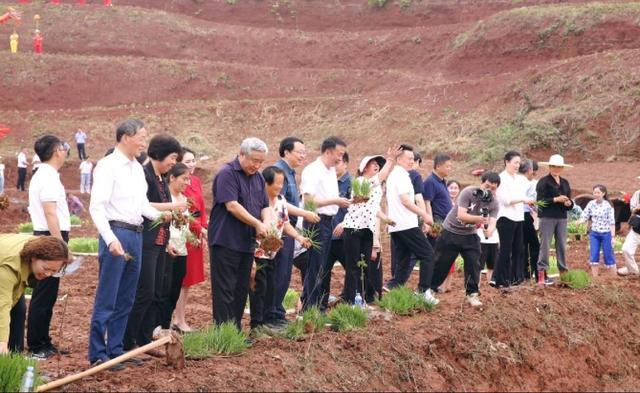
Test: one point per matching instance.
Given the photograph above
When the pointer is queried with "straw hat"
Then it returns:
(363, 164)
(556, 160)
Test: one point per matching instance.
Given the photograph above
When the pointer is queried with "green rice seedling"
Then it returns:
(575, 279)
(295, 330)
(25, 227)
(459, 264)
(345, 317)
(310, 205)
(576, 227)
(311, 234)
(541, 205)
(290, 299)
(360, 189)
(403, 301)
(223, 339)
(553, 265)
(617, 247)
(75, 220)
(84, 245)
(313, 320)
(12, 368)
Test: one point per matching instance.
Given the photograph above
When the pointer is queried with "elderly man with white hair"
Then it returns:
(241, 207)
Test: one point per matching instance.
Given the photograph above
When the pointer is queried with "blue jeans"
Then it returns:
(117, 283)
(283, 265)
(596, 240)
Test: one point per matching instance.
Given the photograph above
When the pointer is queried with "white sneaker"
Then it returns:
(473, 300)
(624, 271)
(428, 296)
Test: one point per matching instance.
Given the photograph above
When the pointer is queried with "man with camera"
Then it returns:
(476, 206)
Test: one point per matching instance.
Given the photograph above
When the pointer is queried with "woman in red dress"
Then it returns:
(195, 254)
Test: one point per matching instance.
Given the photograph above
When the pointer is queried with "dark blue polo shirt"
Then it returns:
(290, 188)
(416, 180)
(344, 187)
(435, 190)
(232, 184)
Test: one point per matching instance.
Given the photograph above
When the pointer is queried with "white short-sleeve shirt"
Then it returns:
(86, 167)
(46, 186)
(322, 183)
(399, 183)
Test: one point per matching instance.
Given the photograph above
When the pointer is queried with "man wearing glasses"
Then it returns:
(50, 217)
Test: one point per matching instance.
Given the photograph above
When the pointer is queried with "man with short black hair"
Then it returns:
(81, 140)
(476, 206)
(407, 236)
(320, 185)
(50, 217)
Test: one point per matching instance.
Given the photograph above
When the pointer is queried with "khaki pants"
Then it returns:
(631, 243)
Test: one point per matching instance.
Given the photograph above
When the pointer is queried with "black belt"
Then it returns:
(126, 225)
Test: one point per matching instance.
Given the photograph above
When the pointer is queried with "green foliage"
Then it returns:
(12, 368)
(377, 3)
(75, 220)
(310, 205)
(553, 265)
(459, 263)
(295, 330)
(223, 339)
(618, 244)
(83, 244)
(345, 317)
(311, 234)
(404, 4)
(576, 279)
(403, 301)
(313, 320)
(25, 227)
(360, 188)
(576, 227)
(290, 299)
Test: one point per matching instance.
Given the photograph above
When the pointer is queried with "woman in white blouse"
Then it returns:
(361, 221)
(511, 196)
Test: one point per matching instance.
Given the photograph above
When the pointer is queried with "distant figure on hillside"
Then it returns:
(13, 42)
(81, 139)
(86, 167)
(67, 148)
(37, 42)
(1, 176)
(22, 168)
(76, 207)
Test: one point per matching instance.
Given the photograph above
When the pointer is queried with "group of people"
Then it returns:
(149, 210)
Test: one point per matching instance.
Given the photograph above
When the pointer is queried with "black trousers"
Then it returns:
(531, 248)
(314, 289)
(448, 247)
(22, 178)
(175, 270)
(144, 315)
(264, 289)
(336, 253)
(43, 299)
(405, 243)
(81, 153)
(301, 262)
(510, 258)
(358, 244)
(230, 273)
(374, 279)
(16, 326)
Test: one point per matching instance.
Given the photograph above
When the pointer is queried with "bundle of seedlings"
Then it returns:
(345, 317)
(312, 234)
(178, 220)
(310, 205)
(575, 279)
(12, 368)
(25, 227)
(88, 245)
(4, 201)
(312, 321)
(436, 229)
(360, 190)
(271, 241)
(403, 301)
(224, 339)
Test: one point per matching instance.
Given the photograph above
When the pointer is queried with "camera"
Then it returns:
(482, 195)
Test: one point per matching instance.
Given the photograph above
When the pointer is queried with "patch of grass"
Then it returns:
(404, 4)
(223, 339)
(290, 299)
(344, 318)
(403, 301)
(295, 330)
(459, 263)
(617, 247)
(577, 228)
(310, 205)
(377, 3)
(75, 220)
(12, 368)
(25, 227)
(553, 265)
(576, 279)
(83, 244)
(313, 320)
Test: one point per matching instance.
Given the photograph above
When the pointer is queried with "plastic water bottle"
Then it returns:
(27, 380)
(358, 301)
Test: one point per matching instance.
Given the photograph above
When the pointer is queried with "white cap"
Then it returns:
(556, 160)
(363, 163)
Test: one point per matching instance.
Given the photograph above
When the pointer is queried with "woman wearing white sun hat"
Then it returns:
(632, 241)
(555, 193)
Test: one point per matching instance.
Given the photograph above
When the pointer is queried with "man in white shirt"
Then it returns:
(35, 164)
(22, 168)
(1, 176)
(50, 217)
(118, 202)
(408, 238)
(320, 184)
(81, 139)
(86, 167)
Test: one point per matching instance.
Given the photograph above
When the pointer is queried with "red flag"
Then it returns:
(4, 130)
